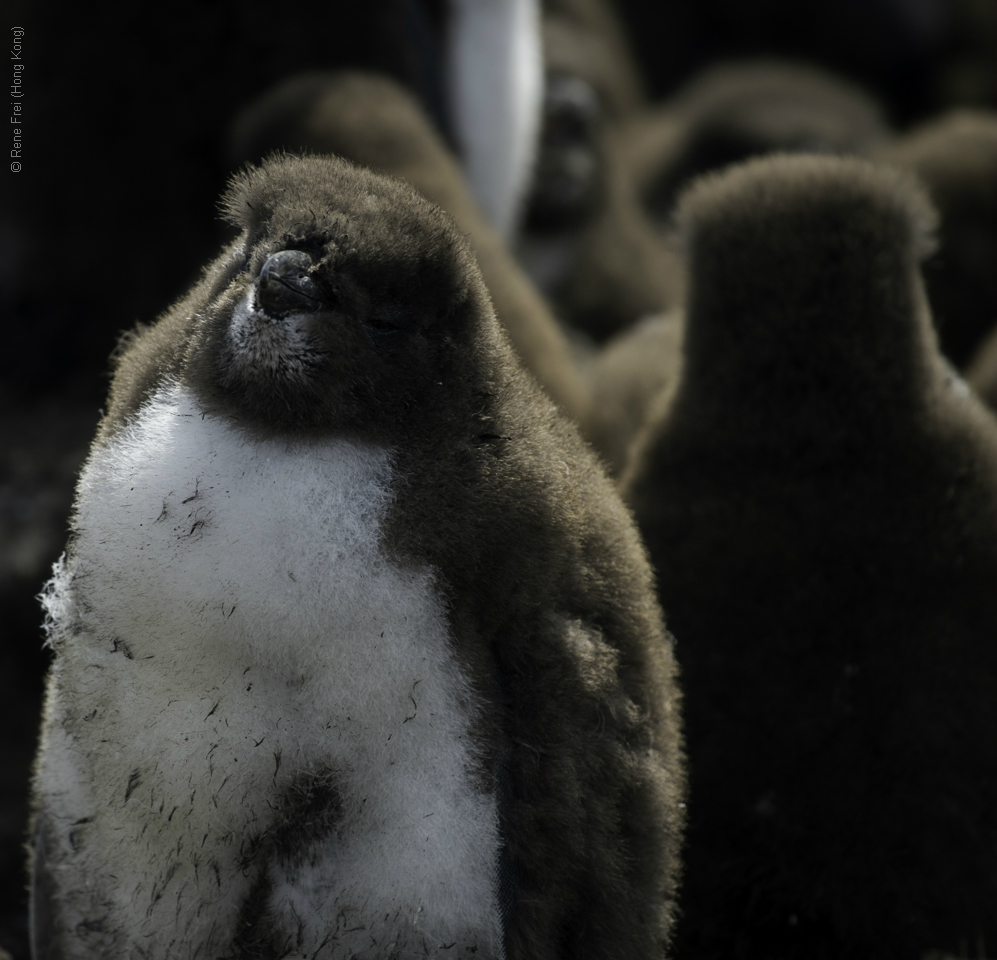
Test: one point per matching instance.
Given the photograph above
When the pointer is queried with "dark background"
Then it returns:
(113, 213)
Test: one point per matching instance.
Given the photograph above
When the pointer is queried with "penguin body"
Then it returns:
(820, 501)
(356, 651)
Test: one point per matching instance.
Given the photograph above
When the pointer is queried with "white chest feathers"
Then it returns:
(257, 732)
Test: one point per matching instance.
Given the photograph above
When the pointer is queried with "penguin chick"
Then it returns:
(590, 78)
(586, 239)
(742, 109)
(955, 155)
(357, 653)
(606, 272)
(820, 501)
(374, 121)
(588, 39)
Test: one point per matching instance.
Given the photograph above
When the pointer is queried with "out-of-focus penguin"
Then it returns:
(741, 109)
(586, 239)
(820, 501)
(357, 652)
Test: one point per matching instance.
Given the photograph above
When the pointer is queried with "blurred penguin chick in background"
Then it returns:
(820, 503)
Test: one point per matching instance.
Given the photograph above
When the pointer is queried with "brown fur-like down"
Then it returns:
(820, 501)
(549, 595)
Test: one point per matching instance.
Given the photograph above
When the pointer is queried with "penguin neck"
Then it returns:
(846, 370)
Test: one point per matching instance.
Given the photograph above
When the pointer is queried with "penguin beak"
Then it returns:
(285, 285)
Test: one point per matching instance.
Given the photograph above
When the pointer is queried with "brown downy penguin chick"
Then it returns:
(357, 651)
(373, 121)
(612, 269)
(955, 156)
(586, 240)
(742, 109)
(587, 39)
(820, 501)
(633, 378)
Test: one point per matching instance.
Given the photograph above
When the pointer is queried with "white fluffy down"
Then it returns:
(227, 623)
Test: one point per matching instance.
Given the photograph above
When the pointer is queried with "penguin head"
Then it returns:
(805, 304)
(349, 302)
(742, 109)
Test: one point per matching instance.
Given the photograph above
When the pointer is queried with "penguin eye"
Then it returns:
(388, 323)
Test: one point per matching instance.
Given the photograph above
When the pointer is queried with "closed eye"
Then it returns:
(382, 325)
(389, 323)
